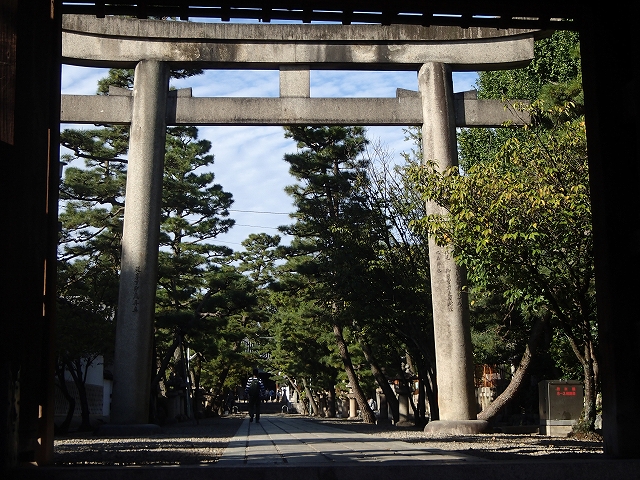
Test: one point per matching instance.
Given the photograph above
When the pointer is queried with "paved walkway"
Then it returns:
(296, 448)
(289, 441)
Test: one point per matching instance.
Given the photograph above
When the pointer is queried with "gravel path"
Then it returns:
(496, 446)
(185, 443)
(190, 443)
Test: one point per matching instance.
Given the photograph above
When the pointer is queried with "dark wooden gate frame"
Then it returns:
(29, 124)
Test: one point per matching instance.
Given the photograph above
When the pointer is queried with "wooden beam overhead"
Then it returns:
(558, 14)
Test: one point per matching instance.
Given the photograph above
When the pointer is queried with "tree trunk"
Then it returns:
(218, 397)
(313, 406)
(589, 367)
(62, 385)
(75, 369)
(160, 374)
(380, 377)
(85, 424)
(295, 387)
(516, 383)
(590, 388)
(428, 369)
(431, 389)
(419, 408)
(421, 415)
(331, 402)
(367, 414)
(197, 370)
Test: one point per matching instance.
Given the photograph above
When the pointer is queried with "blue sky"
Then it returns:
(249, 160)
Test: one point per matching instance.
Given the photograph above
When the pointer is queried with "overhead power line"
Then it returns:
(257, 211)
(253, 226)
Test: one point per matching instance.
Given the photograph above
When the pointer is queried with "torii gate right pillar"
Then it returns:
(454, 361)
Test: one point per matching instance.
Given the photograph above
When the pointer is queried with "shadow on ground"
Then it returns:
(191, 443)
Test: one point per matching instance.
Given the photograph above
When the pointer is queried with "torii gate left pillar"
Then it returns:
(139, 263)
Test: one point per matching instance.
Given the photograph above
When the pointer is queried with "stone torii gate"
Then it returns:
(155, 46)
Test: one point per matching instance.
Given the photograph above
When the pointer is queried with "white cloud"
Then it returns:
(232, 83)
(249, 160)
(81, 80)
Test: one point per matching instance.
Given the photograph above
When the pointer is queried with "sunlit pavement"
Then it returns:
(288, 441)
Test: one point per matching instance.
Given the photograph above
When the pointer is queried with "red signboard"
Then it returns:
(566, 391)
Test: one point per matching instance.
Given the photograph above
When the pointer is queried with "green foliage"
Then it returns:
(495, 343)
(402, 278)
(123, 78)
(556, 61)
(194, 211)
(92, 199)
(355, 268)
(533, 225)
(85, 333)
(553, 76)
(116, 77)
(258, 260)
(335, 234)
(227, 317)
(333, 222)
(476, 145)
(302, 346)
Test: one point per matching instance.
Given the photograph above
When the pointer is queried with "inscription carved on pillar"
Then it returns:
(136, 289)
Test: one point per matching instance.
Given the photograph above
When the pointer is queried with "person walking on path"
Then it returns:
(255, 392)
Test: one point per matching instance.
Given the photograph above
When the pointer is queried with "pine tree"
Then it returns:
(333, 230)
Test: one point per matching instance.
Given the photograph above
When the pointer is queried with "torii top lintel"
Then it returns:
(122, 42)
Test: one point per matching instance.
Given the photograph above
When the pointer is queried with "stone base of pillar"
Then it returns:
(457, 427)
(141, 430)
